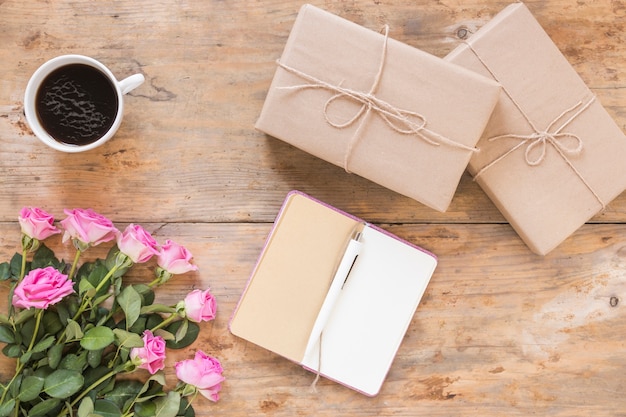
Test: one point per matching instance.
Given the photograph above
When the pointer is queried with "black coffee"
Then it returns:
(76, 104)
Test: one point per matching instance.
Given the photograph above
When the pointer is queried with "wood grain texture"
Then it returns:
(500, 331)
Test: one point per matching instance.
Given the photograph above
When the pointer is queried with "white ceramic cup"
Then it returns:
(30, 97)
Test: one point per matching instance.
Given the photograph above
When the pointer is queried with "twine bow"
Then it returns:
(542, 138)
(399, 120)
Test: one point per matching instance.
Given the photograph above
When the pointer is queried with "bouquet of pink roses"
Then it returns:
(73, 329)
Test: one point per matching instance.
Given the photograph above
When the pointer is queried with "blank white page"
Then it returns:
(373, 312)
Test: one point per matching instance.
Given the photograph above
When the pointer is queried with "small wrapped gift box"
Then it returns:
(379, 108)
(551, 156)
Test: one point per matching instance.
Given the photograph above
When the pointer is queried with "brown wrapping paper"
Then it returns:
(381, 109)
(551, 156)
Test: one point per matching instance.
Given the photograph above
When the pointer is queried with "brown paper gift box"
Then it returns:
(551, 156)
(412, 131)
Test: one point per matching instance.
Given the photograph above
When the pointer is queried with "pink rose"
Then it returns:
(87, 227)
(36, 223)
(41, 288)
(137, 243)
(152, 355)
(175, 258)
(200, 306)
(203, 372)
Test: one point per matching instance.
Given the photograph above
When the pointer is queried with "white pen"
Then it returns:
(340, 278)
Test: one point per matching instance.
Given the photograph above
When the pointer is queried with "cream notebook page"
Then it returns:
(287, 288)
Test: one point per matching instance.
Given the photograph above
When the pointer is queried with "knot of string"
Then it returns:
(565, 143)
(541, 139)
(399, 120)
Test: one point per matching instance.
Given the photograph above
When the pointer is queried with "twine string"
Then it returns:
(399, 120)
(319, 365)
(539, 139)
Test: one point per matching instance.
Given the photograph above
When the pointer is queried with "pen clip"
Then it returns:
(350, 270)
(356, 236)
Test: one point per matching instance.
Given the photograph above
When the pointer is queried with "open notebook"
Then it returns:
(348, 331)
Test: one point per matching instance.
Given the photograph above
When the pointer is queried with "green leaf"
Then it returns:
(107, 408)
(55, 354)
(159, 378)
(43, 372)
(7, 335)
(182, 330)
(43, 361)
(117, 283)
(62, 311)
(51, 322)
(30, 388)
(24, 315)
(98, 272)
(192, 333)
(153, 320)
(97, 338)
(186, 410)
(12, 351)
(165, 335)
(73, 362)
(73, 330)
(5, 271)
(44, 344)
(26, 356)
(16, 265)
(168, 406)
(157, 308)
(7, 408)
(153, 387)
(119, 260)
(84, 270)
(44, 408)
(139, 326)
(86, 288)
(94, 357)
(127, 339)
(124, 391)
(63, 383)
(130, 302)
(95, 273)
(85, 408)
(44, 257)
(14, 390)
(108, 387)
(106, 318)
(99, 300)
(145, 409)
(28, 328)
(146, 293)
(92, 375)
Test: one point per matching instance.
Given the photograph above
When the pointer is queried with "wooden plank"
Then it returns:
(500, 329)
(208, 66)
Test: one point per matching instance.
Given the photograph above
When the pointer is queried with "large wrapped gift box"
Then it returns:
(377, 107)
(551, 156)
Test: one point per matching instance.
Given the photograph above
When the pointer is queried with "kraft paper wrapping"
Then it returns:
(379, 108)
(551, 156)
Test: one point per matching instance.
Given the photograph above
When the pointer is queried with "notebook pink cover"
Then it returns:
(291, 280)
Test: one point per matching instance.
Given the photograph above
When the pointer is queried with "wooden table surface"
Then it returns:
(500, 331)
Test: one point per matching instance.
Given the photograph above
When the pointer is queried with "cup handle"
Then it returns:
(130, 83)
